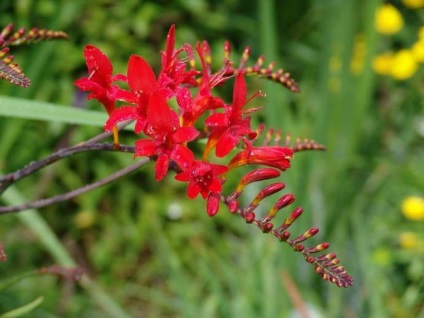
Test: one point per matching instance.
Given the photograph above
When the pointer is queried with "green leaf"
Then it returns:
(36, 110)
(20, 311)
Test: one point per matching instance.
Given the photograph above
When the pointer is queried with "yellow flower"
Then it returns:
(388, 19)
(413, 208)
(421, 33)
(403, 65)
(408, 240)
(382, 63)
(417, 50)
(413, 4)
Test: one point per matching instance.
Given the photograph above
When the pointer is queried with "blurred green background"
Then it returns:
(148, 250)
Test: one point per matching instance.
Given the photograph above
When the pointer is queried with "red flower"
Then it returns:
(142, 82)
(203, 177)
(165, 132)
(272, 156)
(100, 79)
(173, 78)
(230, 127)
(193, 108)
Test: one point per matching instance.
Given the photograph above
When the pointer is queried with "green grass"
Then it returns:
(139, 261)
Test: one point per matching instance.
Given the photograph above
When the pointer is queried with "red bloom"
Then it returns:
(100, 79)
(203, 177)
(173, 78)
(193, 108)
(272, 156)
(142, 82)
(230, 127)
(165, 132)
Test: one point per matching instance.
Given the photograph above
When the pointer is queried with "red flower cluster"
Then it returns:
(178, 107)
(168, 132)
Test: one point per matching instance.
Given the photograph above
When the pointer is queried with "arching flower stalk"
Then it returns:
(165, 133)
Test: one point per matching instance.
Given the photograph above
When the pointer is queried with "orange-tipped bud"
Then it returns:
(292, 217)
(303, 237)
(318, 248)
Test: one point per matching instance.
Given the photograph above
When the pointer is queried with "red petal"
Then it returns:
(183, 156)
(215, 185)
(240, 92)
(218, 119)
(170, 44)
(184, 99)
(144, 147)
(141, 77)
(184, 134)
(86, 84)
(183, 176)
(193, 189)
(225, 144)
(218, 169)
(160, 115)
(161, 167)
(121, 114)
(98, 61)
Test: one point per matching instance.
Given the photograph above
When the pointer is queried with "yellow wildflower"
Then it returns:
(403, 65)
(413, 208)
(382, 63)
(417, 50)
(408, 240)
(388, 19)
(421, 33)
(413, 4)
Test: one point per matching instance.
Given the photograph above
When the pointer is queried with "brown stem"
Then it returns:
(69, 195)
(9, 179)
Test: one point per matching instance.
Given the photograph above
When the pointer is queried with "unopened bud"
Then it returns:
(308, 234)
(249, 217)
(257, 175)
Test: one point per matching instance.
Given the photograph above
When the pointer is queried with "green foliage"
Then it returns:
(156, 253)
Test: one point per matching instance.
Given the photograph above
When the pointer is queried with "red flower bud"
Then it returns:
(318, 248)
(257, 175)
(308, 234)
(249, 217)
(212, 204)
